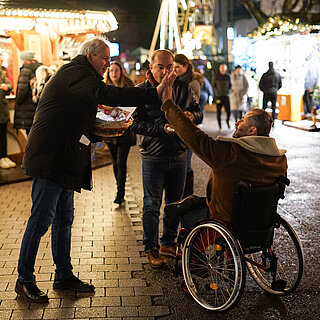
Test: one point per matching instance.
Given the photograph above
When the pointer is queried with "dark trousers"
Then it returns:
(3, 140)
(119, 155)
(308, 102)
(272, 97)
(51, 205)
(223, 102)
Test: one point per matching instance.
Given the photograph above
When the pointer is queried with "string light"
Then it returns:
(26, 19)
(278, 25)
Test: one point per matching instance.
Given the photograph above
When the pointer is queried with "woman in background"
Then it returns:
(119, 147)
(184, 70)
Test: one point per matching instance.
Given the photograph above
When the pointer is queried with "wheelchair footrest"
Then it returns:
(279, 285)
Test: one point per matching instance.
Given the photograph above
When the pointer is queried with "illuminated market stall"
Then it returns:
(294, 48)
(47, 32)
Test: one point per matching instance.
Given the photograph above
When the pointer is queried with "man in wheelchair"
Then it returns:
(247, 178)
(250, 155)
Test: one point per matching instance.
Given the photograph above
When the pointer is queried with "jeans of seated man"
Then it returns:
(160, 175)
(51, 204)
(190, 218)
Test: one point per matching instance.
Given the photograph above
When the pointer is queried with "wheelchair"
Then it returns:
(214, 257)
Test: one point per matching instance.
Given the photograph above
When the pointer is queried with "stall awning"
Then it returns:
(60, 21)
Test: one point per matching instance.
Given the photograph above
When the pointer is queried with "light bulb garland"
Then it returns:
(279, 25)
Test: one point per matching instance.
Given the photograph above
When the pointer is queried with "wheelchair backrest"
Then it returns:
(255, 213)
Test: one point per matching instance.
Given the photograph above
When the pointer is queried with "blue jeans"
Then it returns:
(51, 204)
(158, 176)
(190, 218)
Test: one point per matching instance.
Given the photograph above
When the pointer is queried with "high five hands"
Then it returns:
(164, 89)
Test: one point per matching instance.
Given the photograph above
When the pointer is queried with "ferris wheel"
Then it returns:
(178, 25)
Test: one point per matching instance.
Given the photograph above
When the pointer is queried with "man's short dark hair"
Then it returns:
(261, 120)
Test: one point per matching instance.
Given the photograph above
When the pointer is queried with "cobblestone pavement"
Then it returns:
(107, 248)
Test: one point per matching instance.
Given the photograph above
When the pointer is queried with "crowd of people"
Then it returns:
(168, 116)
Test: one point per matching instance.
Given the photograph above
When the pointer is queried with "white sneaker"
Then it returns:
(4, 164)
(10, 162)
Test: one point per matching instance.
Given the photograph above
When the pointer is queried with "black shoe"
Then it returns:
(72, 283)
(30, 292)
(176, 209)
(118, 200)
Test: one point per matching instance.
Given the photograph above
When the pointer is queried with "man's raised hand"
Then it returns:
(165, 87)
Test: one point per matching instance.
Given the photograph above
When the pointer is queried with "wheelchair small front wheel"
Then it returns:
(213, 267)
(279, 269)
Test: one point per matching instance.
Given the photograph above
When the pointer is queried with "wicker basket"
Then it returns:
(109, 129)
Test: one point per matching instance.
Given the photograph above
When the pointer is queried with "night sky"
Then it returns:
(136, 18)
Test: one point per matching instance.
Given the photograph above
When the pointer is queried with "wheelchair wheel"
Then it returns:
(213, 267)
(278, 270)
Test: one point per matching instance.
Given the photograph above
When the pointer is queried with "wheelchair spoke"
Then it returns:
(286, 250)
(209, 268)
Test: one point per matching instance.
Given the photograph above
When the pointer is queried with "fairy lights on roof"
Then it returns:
(278, 25)
(62, 21)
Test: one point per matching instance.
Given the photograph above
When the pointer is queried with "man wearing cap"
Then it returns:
(25, 108)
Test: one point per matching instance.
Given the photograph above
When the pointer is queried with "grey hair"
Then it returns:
(92, 45)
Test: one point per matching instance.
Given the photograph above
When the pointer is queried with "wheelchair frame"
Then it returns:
(214, 263)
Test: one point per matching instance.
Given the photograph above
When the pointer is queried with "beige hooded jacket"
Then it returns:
(254, 159)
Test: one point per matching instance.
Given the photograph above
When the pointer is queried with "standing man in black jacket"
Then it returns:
(58, 158)
(164, 157)
(221, 85)
(269, 84)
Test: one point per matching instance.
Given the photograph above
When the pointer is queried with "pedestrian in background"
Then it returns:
(311, 81)
(221, 85)
(5, 89)
(206, 93)
(119, 147)
(9, 75)
(269, 84)
(238, 94)
(184, 70)
(25, 107)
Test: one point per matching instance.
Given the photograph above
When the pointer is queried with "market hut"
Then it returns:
(57, 26)
(294, 46)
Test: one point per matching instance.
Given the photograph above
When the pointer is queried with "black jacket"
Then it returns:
(270, 81)
(221, 85)
(57, 147)
(24, 106)
(149, 122)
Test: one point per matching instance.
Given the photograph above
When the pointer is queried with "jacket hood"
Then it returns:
(257, 144)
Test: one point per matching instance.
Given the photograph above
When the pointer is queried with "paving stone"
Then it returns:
(62, 313)
(27, 314)
(137, 301)
(122, 311)
(105, 301)
(155, 311)
(90, 312)
(79, 302)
